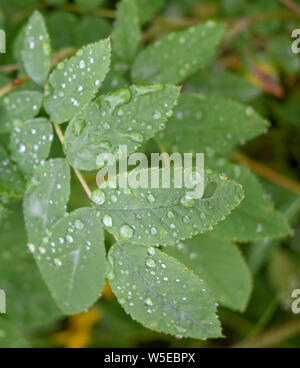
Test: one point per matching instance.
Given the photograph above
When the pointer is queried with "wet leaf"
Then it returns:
(11, 180)
(45, 200)
(36, 51)
(126, 32)
(220, 263)
(18, 106)
(129, 116)
(73, 261)
(177, 55)
(162, 294)
(256, 217)
(30, 144)
(212, 125)
(74, 82)
(164, 216)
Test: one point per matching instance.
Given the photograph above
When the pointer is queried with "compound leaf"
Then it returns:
(212, 125)
(161, 293)
(18, 106)
(126, 32)
(128, 116)
(73, 261)
(164, 216)
(177, 55)
(220, 263)
(30, 143)
(74, 82)
(36, 51)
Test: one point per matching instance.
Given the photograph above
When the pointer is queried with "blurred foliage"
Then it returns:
(255, 65)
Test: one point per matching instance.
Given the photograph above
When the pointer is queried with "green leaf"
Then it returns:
(30, 144)
(177, 55)
(223, 83)
(164, 216)
(10, 336)
(147, 9)
(161, 293)
(11, 181)
(128, 116)
(255, 218)
(36, 51)
(18, 106)
(45, 199)
(212, 125)
(126, 31)
(74, 82)
(21, 279)
(73, 261)
(220, 263)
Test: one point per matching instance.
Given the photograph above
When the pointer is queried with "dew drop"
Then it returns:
(79, 224)
(126, 232)
(150, 263)
(107, 221)
(98, 197)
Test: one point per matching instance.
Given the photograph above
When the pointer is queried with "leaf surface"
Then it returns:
(45, 200)
(212, 125)
(220, 264)
(11, 180)
(256, 217)
(164, 216)
(73, 261)
(36, 51)
(126, 31)
(75, 82)
(18, 106)
(177, 55)
(30, 143)
(161, 293)
(129, 116)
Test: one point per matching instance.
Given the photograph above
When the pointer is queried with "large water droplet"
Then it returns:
(186, 201)
(98, 197)
(118, 98)
(57, 262)
(148, 302)
(150, 263)
(79, 224)
(136, 137)
(151, 251)
(126, 232)
(107, 221)
(150, 198)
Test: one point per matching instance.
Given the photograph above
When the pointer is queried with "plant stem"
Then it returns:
(17, 82)
(267, 173)
(291, 5)
(76, 171)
